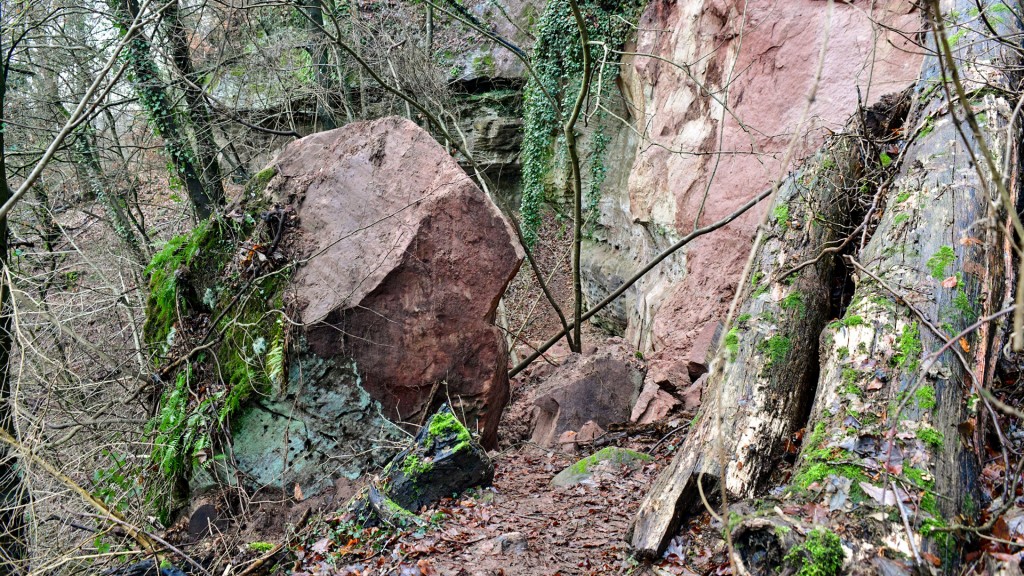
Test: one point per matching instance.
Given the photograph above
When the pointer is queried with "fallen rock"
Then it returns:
(693, 394)
(608, 458)
(443, 460)
(510, 543)
(652, 405)
(601, 387)
(567, 441)
(589, 432)
(405, 259)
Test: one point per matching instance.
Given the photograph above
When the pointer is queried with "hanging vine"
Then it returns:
(558, 63)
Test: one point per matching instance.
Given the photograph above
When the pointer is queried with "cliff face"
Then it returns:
(686, 161)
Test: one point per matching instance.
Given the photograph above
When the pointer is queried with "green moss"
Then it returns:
(902, 197)
(820, 554)
(609, 453)
(900, 219)
(414, 466)
(909, 347)
(939, 261)
(852, 320)
(931, 437)
(743, 318)
(755, 278)
(445, 424)
(964, 307)
(255, 187)
(850, 379)
(776, 348)
(843, 352)
(261, 547)
(925, 396)
(180, 253)
(732, 343)
(933, 528)
(781, 214)
(793, 301)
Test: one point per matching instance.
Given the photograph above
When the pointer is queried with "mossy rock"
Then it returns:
(584, 469)
(443, 461)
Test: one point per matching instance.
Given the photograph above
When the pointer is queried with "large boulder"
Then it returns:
(599, 387)
(404, 260)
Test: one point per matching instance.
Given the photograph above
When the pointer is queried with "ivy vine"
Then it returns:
(558, 63)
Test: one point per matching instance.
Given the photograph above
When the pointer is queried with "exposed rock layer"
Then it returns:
(763, 62)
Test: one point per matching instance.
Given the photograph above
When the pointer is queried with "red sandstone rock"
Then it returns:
(405, 261)
(767, 54)
(600, 387)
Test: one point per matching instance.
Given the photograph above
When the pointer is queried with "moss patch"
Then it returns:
(445, 424)
(909, 347)
(732, 343)
(821, 554)
(583, 468)
(931, 437)
(939, 261)
(776, 348)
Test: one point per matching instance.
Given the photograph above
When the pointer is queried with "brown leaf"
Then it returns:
(970, 241)
(949, 282)
(931, 558)
(965, 345)
(298, 493)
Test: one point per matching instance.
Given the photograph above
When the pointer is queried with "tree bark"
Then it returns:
(153, 95)
(12, 497)
(763, 375)
(198, 113)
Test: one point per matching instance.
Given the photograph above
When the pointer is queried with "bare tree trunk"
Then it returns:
(12, 497)
(316, 47)
(158, 105)
(198, 113)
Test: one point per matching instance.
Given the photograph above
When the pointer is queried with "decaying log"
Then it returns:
(876, 436)
(933, 267)
(759, 390)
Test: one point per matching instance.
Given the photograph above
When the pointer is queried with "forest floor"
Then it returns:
(522, 524)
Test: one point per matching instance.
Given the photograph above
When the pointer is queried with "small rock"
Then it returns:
(600, 387)
(584, 469)
(589, 432)
(692, 394)
(511, 543)
(653, 404)
(567, 441)
(443, 460)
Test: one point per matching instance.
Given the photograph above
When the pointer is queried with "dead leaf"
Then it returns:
(949, 282)
(298, 493)
(931, 558)
(884, 496)
(970, 241)
(321, 546)
(965, 345)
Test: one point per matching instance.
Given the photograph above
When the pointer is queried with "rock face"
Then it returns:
(404, 261)
(600, 388)
(664, 183)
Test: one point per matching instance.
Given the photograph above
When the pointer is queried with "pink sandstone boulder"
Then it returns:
(403, 261)
(596, 389)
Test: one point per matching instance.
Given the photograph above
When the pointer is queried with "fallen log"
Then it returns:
(890, 432)
(764, 374)
(887, 461)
